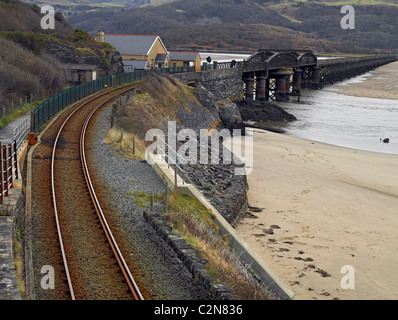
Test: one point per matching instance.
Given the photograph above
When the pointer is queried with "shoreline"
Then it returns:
(370, 86)
(324, 207)
(372, 99)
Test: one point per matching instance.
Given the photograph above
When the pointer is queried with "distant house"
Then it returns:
(185, 59)
(149, 48)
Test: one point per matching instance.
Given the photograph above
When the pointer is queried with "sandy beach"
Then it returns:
(381, 83)
(324, 207)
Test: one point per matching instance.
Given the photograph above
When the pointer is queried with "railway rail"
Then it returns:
(86, 261)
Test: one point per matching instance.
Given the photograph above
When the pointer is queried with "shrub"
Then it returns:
(79, 35)
(23, 74)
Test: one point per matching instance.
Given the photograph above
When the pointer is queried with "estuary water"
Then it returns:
(335, 116)
(355, 113)
(336, 206)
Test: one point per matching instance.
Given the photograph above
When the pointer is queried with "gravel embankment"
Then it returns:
(159, 272)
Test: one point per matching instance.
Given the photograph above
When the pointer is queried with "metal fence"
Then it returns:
(51, 106)
(20, 133)
(9, 168)
(161, 146)
(54, 104)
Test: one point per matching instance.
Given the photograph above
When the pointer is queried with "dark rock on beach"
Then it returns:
(230, 115)
(261, 111)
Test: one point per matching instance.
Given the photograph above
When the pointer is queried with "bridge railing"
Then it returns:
(221, 65)
(334, 70)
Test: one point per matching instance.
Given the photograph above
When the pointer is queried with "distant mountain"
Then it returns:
(68, 7)
(187, 23)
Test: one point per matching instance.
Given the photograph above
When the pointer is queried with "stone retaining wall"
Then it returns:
(195, 264)
(223, 83)
(8, 284)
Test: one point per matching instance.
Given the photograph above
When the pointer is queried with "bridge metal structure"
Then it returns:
(333, 70)
(279, 74)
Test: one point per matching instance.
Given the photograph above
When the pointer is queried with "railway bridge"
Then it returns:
(279, 74)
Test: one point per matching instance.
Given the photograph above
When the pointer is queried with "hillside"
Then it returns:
(376, 22)
(236, 37)
(33, 60)
(68, 7)
(191, 23)
(23, 74)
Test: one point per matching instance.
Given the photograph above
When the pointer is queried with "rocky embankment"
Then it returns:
(164, 99)
(217, 182)
(226, 191)
(83, 50)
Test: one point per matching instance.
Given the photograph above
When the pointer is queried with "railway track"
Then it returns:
(94, 265)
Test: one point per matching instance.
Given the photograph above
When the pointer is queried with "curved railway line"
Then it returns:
(94, 265)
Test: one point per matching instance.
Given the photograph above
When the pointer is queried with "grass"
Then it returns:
(142, 198)
(291, 19)
(160, 99)
(189, 218)
(126, 143)
(166, 94)
(17, 112)
(359, 3)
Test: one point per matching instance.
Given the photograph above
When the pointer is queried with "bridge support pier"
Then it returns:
(261, 86)
(281, 89)
(296, 90)
(316, 78)
(249, 83)
(282, 84)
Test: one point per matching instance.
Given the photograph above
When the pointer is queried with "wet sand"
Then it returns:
(324, 207)
(381, 83)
